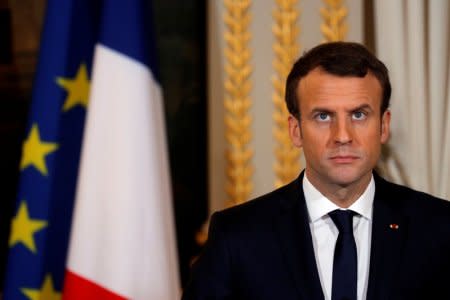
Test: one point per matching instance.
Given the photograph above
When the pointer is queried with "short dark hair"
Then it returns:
(341, 59)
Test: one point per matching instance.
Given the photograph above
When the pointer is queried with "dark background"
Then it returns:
(180, 28)
(181, 42)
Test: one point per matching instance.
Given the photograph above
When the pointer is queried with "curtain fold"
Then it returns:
(412, 37)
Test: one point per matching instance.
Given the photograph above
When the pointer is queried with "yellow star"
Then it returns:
(35, 150)
(23, 228)
(77, 88)
(46, 292)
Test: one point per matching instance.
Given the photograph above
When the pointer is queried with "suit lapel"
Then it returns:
(293, 230)
(389, 230)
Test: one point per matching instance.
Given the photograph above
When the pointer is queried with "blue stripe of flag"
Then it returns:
(127, 27)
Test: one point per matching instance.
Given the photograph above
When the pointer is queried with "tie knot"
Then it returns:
(343, 219)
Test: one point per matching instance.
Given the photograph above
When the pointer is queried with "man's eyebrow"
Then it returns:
(321, 110)
(364, 106)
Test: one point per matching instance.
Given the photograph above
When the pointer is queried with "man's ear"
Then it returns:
(385, 126)
(295, 131)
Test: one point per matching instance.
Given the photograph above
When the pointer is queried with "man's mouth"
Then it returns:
(344, 159)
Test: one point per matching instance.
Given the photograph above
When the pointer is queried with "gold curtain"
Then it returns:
(334, 15)
(237, 102)
(286, 48)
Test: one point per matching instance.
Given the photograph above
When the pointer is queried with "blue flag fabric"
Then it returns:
(49, 166)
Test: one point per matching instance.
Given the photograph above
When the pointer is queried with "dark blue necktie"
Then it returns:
(345, 259)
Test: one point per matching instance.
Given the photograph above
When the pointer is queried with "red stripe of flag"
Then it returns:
(77, 287)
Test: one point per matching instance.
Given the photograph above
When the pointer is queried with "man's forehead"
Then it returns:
(319, 72)
(322, 89)
(322, 81)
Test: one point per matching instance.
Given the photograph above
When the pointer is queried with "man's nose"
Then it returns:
(343, 131)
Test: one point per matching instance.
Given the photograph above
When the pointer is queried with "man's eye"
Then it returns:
(359, 115)
(323, 116)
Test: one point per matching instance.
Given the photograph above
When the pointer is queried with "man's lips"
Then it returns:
(344, 159)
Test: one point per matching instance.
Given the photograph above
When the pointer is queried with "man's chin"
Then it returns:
(345, 178)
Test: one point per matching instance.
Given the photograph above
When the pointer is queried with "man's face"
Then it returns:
(341, 129)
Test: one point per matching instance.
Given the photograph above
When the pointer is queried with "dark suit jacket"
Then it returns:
(263, 249)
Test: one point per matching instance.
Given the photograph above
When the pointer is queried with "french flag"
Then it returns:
(122, 241)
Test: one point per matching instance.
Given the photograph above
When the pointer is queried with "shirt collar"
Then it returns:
(318, 205)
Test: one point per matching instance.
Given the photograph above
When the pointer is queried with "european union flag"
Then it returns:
(49, 166)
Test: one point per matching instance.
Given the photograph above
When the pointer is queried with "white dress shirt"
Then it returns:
(324, 234)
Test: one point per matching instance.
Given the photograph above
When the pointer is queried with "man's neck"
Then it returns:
(341, 195)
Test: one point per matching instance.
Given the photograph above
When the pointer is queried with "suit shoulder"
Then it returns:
(417, 202)
(259, 209)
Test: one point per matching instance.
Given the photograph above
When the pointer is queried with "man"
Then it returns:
(339, 231)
